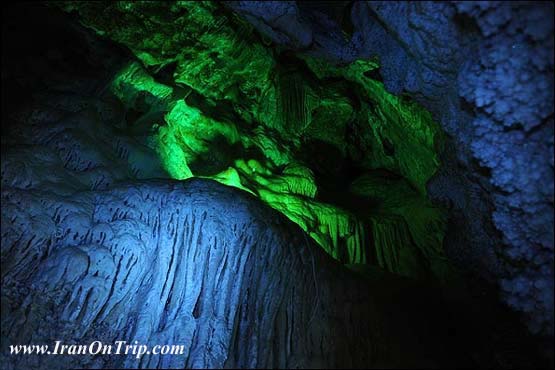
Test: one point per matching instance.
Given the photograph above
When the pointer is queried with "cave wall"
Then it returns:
(485, 70)
(82, 132)
(162, 263)
(93, 250)
(214, 100)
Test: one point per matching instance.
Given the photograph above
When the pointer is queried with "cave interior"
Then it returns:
(279, 184)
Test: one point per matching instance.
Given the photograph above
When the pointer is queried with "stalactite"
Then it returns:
(292, 102)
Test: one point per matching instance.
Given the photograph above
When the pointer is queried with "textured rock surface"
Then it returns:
(158, 261)
(224, 105)
(201, 94)
(485, 70)
(93, 251)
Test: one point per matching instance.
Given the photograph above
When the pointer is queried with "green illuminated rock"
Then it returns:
(403, 137)
(416, 221)
(214, 102)
(137, 89)
(214, 52)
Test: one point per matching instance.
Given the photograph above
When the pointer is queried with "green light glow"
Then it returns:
(133, 83)
(417, 137)
(187, 135)
(250, 119)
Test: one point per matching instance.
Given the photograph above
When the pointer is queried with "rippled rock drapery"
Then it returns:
(91, 121)
(485, 69)
(93, 250)
(215, 101)
(192, 263)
